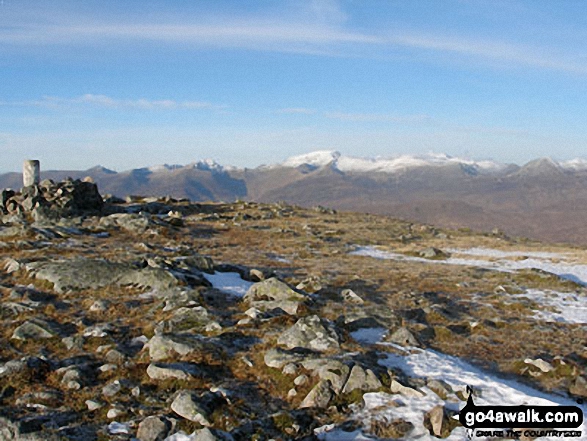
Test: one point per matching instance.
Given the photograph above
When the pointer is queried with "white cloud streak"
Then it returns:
(112, 103)
(297, 111)
(318, 37)
(376, 117)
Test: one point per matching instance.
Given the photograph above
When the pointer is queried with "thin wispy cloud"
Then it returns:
(518, 54)
(376, 117)
(320, 36)
(113, 103)
(297, 111)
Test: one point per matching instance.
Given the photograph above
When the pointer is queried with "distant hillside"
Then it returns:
(543, 199)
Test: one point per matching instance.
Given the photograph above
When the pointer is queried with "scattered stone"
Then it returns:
(278, 358)
(300, 380)
(114, 412)
(319, 396)
(397, 388)
(350, 296)
(311, 285)
(395, 429)
(310, 333)
(271, 289)
(439, 421)
(544, 366)
(164, 346)
(187, 406)
(94, 405)
(440, 388)
(402, 336)
(154, 428)
(433, 253)
(178, 371)
(256, 276)
(290, 369)
(361, 379)
(30, 330)
(579, 387)
(112, 389)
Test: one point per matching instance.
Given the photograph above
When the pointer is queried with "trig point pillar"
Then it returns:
(31, 172)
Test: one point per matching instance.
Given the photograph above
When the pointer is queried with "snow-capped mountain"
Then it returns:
(354, 164)
(544, 198)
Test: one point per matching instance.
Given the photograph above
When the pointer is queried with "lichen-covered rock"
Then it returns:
(402, 336)
(33, 330)
(320, 395)
(164, 346)
(154, 428)
(579, 387)
(93, 274)
(278, 358)
(178, 371)
(310, 333)
(188, 406)
(361, 379)
(272, 289)
(439, 421)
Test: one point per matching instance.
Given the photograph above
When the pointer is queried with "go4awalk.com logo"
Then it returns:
(537, 421)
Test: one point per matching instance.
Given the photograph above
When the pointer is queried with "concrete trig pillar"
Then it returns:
(31, 172)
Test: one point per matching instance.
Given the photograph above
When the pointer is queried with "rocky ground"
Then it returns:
(158, 319)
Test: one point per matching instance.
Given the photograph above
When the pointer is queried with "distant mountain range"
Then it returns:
(542, 199)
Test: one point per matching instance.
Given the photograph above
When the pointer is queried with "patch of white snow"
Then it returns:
(231, 283)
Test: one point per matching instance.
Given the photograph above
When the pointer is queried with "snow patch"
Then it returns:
(231, 283)
(458, 374)
(369, 335)
(563, 307)
(570, 271)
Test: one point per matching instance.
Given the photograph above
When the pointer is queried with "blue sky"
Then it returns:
(130, 83)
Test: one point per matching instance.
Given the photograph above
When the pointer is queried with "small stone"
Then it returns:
(398, 388)
(319, 396)
(292, 393)
(439, 421)
(99, 306)
(154, 428)
(114, 412)
(290, 369)
(579, 387)
(361, 379)
(111, 389)
(300, 380)
(93, 405)
(108, 367)
(32, 331)
(402, 336)
(544, 366)
(256, 275)
(350, 296)
(309, 333)
(173, 371)
(185, 406)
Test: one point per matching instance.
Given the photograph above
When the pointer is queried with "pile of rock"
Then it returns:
(50, 199)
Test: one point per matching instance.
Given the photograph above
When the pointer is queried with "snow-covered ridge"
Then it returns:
(203, 164)
(392, 164)
(342, 163)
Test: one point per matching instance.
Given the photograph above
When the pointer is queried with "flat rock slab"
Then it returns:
(179, 371)
(93, 273)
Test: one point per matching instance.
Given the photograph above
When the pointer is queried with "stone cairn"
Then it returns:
(47, 199)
